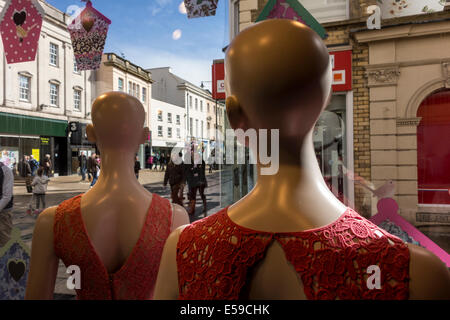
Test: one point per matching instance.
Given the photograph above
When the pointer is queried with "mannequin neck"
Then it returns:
(116, 166)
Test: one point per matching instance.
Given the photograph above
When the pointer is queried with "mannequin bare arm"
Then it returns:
(44, 263)
(179, 217)
(166, 287)
(430, 277)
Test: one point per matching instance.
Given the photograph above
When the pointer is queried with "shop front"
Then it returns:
(79, 144)
(25, 136)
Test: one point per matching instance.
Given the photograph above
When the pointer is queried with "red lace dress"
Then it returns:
(136, 278)
(215, 255)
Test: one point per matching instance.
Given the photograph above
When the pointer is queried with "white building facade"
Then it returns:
(197, 103)
(168, 127)
(39, 99)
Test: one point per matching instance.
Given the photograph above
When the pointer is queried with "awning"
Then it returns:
(26, 125)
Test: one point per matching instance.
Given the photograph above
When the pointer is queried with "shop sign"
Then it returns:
(36, 154)
(218, 76)
(45, 141)
(341, 62)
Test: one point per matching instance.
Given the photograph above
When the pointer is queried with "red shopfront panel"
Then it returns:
(433, 149)
(218, 80)
(342, 70)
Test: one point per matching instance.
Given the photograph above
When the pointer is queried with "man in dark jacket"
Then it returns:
(196, 180)
(6, 203)
(83, 163)
(175, 175)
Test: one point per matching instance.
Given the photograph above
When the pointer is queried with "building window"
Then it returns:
(54, 94)
(208, 126)
(207, 106)
(169, 132)
(120, 84)
(178, 133)
(130, 88)
(201, 106)
(75, 67)
(160, 131)
(196, 104)
(77, 100)
(144, 95)
(53, 54)
(201, 130)
(191, 124)
(190, 102)
(134, 89)
(178, 119)
(160, 115)
(24, 85)
(138, 92)
(169, 118)
(196, 128)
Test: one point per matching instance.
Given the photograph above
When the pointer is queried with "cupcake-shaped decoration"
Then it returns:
(88, 32)
(200, 8)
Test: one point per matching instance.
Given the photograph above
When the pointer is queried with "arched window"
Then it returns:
(433, 149)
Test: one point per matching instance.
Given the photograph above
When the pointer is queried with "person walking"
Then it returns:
(137, 167)
(158, 161)
(162, 166)
(25, 172)
(93, 168)
(34, 165)
(196, 180)
(39, 184)
(83, 161)
(175, 175)
(6, 203)
(47, 164)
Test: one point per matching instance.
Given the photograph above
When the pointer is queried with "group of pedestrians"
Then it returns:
(160, 160)
(36, 177)
(89, 166)
(193, 173)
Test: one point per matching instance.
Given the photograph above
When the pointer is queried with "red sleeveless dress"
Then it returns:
(215, 256)
(137, 277)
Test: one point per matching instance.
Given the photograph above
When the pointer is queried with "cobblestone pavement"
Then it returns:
(63, 188)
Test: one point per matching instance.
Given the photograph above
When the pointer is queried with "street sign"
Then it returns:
(218, 76)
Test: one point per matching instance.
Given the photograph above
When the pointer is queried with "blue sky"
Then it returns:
(143, 31)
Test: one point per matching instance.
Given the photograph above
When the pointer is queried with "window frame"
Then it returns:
(28, 89)
(75, 91)
(56, 86)
(54, 55)
(160, 116)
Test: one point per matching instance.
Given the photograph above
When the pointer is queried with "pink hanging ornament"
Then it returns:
(21, 24)
(88, 32)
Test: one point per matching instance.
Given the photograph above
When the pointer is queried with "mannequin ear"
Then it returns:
(145, 134)
(91, 133)
(236, 116)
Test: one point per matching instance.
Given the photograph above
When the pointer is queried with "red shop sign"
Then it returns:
(342, 70)
(218, 76)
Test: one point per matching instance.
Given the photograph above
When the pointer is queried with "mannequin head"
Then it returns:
(278, 76)
(118, 123)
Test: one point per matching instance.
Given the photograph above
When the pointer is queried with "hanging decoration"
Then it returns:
(14, 267)
(200, 8)
(390, 220)
(293, 10)
(88, 32)
(21, 24)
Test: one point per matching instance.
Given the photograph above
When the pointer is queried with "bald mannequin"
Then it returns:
(114, 210)
(278, 76)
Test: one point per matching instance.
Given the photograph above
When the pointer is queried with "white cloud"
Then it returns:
(176, 35)
(159, 6)
(182, 8)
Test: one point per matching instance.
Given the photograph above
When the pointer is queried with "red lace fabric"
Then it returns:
(215, 255)
(136, 278)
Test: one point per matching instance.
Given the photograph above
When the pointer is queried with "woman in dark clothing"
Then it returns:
(137, 167)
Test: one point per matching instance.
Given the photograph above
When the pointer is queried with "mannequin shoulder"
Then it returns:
(179, 216)
(430, 277)
(46, 218)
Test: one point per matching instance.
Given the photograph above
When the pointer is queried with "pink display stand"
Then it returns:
(21, 24)
(388, 216)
